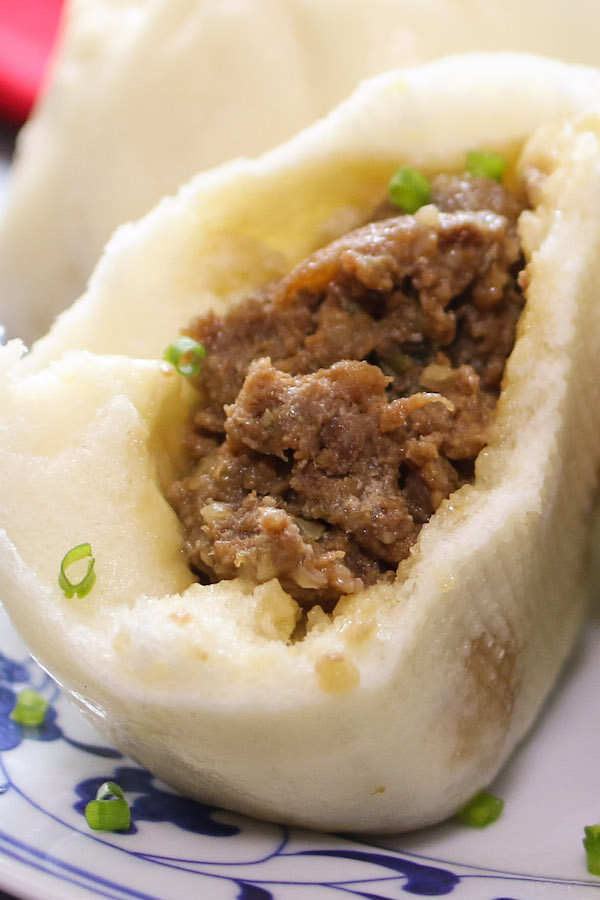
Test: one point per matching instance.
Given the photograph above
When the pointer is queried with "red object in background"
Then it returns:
(27, 32)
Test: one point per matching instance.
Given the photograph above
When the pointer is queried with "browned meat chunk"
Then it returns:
(341, 405)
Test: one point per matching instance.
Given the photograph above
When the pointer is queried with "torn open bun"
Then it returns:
(391, 710)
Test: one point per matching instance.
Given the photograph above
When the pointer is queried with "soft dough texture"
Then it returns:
(147, 92)
(393, 712)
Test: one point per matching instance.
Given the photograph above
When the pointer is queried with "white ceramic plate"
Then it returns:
(180, 849)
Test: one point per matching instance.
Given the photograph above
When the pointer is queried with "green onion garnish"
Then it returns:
(83, 587)
(485, 164)
(481, 810)
(186, 355)
(591, 842)
(30, 708)
(409, 189)
(109, 811)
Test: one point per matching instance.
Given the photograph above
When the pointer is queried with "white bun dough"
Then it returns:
(393, 711)
(145, 93)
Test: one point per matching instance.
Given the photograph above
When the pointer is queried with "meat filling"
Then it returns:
(341, 405)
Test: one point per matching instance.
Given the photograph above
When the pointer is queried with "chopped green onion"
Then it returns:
(110, 810)
(481, 810)
(30, 708)
(486, 164)
(83, 587)
(186, 355)
(398, 363)
(409, 189)
(591, 842)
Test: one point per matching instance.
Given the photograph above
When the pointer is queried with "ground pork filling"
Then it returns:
(341, 405)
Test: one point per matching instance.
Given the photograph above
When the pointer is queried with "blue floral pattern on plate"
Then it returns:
(177, 847)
